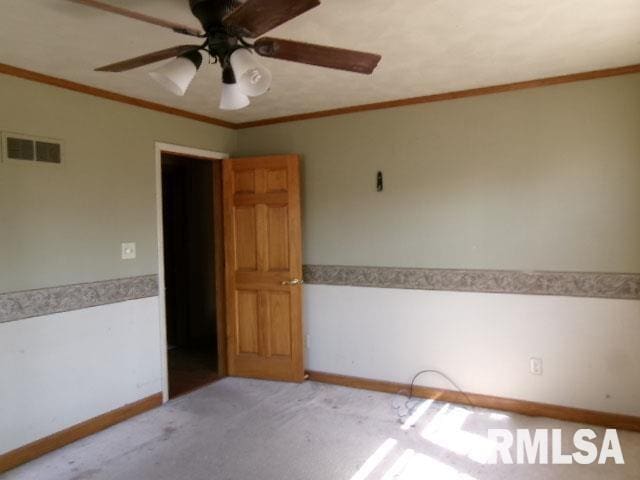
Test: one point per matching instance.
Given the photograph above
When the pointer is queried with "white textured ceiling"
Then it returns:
(427, 46)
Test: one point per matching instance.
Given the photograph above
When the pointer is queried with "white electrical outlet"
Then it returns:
(535, 366)
(307, 341)
(128, 251)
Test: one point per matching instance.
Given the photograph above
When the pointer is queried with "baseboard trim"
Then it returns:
(57, 440)
(524, 407)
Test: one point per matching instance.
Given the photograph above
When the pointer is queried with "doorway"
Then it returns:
(193, 270)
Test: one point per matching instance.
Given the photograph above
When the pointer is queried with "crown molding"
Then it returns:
(403, 102)
(117, 97)
(439, 97)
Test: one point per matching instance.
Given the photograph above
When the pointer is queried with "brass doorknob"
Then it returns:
(295, 281)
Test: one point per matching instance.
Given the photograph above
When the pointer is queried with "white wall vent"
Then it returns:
(27, 147)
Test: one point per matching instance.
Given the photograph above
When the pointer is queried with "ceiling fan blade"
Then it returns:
(176, 27)
(329, 57)
(148, 58)
(256, 17)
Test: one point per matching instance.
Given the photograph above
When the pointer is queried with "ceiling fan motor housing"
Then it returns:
(221, 43)
(211, 12)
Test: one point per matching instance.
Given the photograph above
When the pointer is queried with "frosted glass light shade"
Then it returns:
(253, 79)
(176, 75)
(232, 98)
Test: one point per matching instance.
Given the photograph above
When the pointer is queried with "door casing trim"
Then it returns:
(161, 148)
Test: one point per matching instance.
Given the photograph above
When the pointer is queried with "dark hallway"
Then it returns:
(188, 222)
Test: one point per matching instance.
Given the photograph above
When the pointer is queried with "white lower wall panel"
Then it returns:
(590, 347)
(62, 369)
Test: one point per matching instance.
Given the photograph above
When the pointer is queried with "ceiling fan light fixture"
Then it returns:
(225, 24)
(253, 78)
(231, 97)
(177, 75)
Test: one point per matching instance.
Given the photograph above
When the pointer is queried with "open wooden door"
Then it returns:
(263, 268)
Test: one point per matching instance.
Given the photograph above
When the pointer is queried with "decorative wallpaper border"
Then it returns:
(573, 284)
(45, 301)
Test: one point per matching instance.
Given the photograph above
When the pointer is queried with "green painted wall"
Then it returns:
(64, 224)
(545, 179)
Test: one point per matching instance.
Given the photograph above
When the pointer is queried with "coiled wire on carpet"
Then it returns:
(409, 408)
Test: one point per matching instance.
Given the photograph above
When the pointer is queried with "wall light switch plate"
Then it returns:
(128, 251)
(535, 366)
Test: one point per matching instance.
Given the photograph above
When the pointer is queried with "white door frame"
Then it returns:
(186, 151)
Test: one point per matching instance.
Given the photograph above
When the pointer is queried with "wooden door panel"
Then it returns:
(276, 180)
(245, 182)
(279, 311)
(263, 251)
(247, 330)
(262, 280)
(261, 198)
(247, 250)
(278, 239)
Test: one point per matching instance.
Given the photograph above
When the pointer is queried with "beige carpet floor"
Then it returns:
(239, 429)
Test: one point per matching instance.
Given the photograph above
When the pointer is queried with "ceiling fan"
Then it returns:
(226, 26)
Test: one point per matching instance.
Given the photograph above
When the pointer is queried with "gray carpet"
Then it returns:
(240, 429)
